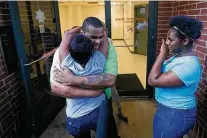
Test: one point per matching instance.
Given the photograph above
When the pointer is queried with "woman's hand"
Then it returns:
(63, 75)
(69, 33)
(164, 48)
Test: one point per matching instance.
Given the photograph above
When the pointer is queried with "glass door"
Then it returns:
(38, 36)
(132, 57)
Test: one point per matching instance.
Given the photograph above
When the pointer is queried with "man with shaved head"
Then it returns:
(89, 86)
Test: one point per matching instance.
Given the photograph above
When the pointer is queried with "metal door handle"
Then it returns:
(28, 64)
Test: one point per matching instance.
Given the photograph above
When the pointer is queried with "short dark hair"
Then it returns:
(81, 48)
(91, 21)
(186, 27)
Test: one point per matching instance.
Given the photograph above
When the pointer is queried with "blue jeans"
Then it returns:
(80, 127)
(96, 120)
(173, 123)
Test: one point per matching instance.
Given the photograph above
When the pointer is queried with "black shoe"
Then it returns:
(122, 117)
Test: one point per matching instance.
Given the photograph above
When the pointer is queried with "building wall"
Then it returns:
(198, 10)
(12, 100)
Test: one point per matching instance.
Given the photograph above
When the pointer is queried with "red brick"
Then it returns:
(201, 55)
(191, 6)
(176, 3)
(2, 70)
(183, 3)
(162, 35)
(199, 96)
(202, 18)
(182, 12)
(7, 132)
(4, 88)
(201, 49)
(165, 9)
(12, 89)
(200, 43)
(204, 81)
(9, 78)
(3, 109)
(162, 31)
(204, 76)
(202, 5)
(191, 2)
(163, 26)
(202, 63)
(1, 63)
(163, 18)
(1, 83)
(167, 4)
(205, 70)
(180, 8)
(165, 13)
(15, 81)
(7, 121)
(175, 13)
(205, 25)
(162, 22)
(203, 11)
(201, 86)
(203, 37)
(194, 12)
(6, 100)
(204, 31)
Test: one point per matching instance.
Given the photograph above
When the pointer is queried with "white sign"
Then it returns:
(40, 16)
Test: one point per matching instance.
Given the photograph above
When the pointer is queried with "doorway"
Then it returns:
(120, 18)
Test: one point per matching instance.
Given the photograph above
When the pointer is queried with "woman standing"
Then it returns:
(176, 79)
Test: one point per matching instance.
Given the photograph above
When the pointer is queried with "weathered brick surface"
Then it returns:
(10, 85)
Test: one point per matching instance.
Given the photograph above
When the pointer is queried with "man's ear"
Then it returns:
(186, 41)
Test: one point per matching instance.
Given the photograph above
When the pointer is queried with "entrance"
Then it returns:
(32, 40)
(133, 48)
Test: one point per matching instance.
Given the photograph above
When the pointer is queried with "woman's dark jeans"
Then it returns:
(173, 123)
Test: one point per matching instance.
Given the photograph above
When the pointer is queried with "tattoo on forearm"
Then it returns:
(99, 79)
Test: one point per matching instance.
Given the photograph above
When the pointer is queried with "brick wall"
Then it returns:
(198, 10)
(12, 102)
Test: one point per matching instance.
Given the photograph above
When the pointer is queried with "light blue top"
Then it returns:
(83, 106)
(188, 69)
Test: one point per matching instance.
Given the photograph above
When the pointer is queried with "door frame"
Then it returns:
(34, 125)
(151, 47)
(29, 126)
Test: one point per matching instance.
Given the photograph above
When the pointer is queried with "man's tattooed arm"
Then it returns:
(96, 81)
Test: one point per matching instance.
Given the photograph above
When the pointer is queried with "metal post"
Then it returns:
(57, 21)
(152, 39)
(108, 17)
(19, 41)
